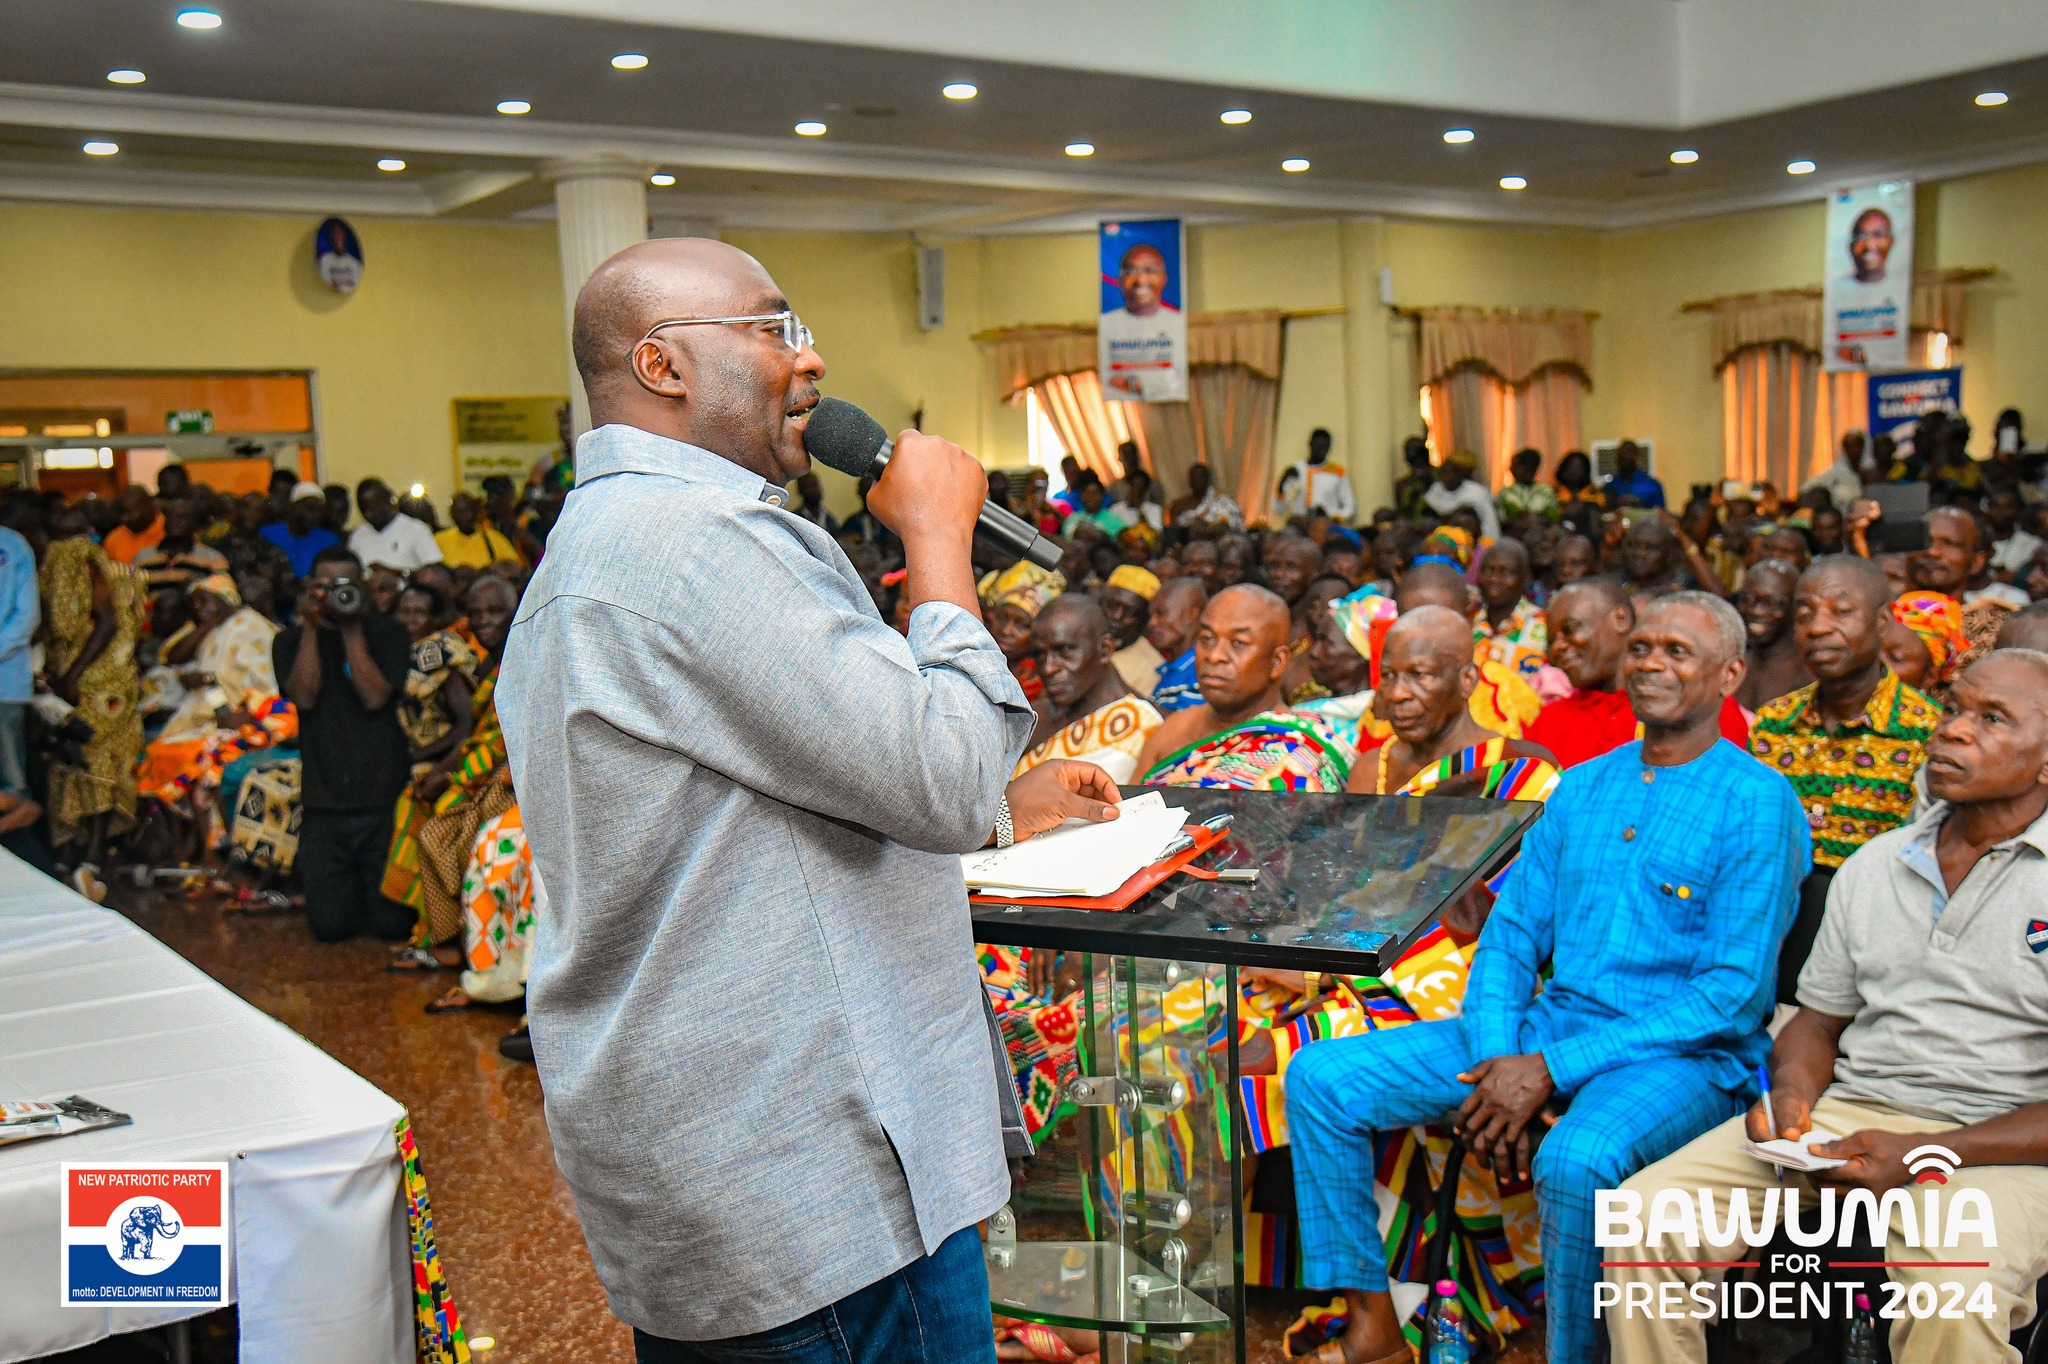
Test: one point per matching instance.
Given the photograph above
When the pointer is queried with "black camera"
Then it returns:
(346, 598)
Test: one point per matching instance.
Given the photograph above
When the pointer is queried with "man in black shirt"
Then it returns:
(345, 673)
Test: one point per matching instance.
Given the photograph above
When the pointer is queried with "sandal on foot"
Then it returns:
(454, 1002)
(408, 961)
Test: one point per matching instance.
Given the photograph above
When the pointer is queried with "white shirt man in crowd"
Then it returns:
(388, 536)
(1455, 487)
(1844, 485)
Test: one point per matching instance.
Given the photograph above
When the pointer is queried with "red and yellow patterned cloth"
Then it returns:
(437, 1327)
(1938, 619)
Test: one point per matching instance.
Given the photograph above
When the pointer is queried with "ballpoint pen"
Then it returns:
(1763, 1080)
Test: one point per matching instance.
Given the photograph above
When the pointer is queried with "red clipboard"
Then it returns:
(1127, 894)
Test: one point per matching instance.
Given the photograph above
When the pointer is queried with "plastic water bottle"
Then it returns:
(1444, 1336)
(1861, 1345)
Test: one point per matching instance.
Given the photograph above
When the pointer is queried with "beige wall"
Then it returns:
(457, 309)
(445, 310)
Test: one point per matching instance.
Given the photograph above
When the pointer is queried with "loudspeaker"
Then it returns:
(931, 287)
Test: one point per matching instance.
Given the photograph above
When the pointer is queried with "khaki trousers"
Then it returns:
(1715, 1161)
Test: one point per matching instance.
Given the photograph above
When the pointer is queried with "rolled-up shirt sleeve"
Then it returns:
(783, 678)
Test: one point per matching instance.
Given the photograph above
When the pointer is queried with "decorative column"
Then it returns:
(600, 209)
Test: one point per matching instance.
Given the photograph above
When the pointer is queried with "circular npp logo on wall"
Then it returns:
(142, 1235)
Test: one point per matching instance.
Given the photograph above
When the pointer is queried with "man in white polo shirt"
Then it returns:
(388, 536)
(1923, 1019)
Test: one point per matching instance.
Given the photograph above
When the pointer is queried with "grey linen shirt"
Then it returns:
(754, 998)
(1948, 994)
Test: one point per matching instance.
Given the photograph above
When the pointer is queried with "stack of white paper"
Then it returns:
(1796, 1155)
(1079, 858)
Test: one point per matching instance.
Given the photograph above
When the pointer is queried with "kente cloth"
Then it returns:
(1339, 717)
(1856, 782)
(1495, 1256)
(263, 827)
(1273, 751)
(1023, 584)
(108, 688)
(1522, 642)
(422, 709)
(1176, 689)
(430, 844)
(1938, 619)
(1581, 726)
(1111, 737)
(1494, 770)
(497, 911)
(437, 1327)
(173, 769)
(1039, 1034)
(1039, 1342)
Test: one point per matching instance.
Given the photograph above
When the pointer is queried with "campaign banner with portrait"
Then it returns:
(1867, 293)
(1898, 401)
(1141, 339)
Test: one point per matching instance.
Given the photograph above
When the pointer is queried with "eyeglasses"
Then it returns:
(795, 334)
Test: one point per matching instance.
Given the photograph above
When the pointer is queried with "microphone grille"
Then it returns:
(841, 436)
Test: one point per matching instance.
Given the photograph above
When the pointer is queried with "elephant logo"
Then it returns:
(140, 1228)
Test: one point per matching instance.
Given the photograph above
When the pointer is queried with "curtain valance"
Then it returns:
(1512, 344)
(1023, 356)
(1793, 316)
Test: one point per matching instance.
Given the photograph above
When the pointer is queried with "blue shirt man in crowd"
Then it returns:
(1659, 881)
(301, 535)
(20, 612)
(1630, 481)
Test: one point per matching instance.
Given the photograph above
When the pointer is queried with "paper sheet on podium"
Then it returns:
(1079, 858)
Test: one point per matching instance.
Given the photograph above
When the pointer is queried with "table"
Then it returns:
(1129, 1217)
(90, 1004)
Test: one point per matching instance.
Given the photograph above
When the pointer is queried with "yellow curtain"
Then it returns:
(1783, 417)
(1792, 316)
(1090, 428)
(1471, 409)
(1508, 343)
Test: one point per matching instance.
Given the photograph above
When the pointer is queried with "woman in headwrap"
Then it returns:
(1923, 640)
(231, 706)
(1010, 602)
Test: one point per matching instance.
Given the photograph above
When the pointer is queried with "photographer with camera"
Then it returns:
(344, 667)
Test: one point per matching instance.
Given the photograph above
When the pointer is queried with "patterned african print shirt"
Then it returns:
(1111, 737)
(1522, 642)
(1858, 782)
(1270, 752)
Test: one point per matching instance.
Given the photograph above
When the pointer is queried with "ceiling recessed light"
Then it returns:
(810, 128)
(629, 61)
(390, 163)
(1800, 168)
(1294, 165)
(1237, 116)
(959, 90)
(1513, 182)
(102, 148)
(198, 18)
(1991, 99)
(662, 179)
(1684, 156)
(1080, 149)
(514, 106)
(126, 76)
(1455, 136)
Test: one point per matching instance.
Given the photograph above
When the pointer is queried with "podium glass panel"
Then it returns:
(1129, 1219)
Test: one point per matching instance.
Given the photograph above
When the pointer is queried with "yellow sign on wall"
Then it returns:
(504, 436)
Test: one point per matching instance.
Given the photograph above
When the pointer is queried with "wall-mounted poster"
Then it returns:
(1867, 293)
(338, 255)
(1141, 339)
(505, 436)
(1898, 401)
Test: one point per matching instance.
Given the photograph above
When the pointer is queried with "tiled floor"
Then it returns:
(506, 1226)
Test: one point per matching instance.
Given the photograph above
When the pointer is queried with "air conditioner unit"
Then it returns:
(931, 287)
(1602, 452)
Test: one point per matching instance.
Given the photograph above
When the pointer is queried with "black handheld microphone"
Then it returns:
(841, 436)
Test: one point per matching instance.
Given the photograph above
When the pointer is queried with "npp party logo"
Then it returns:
(145, 1233)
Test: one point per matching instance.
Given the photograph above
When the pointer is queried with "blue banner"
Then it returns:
(1897, 401)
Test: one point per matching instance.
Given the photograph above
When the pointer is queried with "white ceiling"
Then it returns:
(289, 104)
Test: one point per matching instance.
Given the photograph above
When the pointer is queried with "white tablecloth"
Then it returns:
(90, 1004)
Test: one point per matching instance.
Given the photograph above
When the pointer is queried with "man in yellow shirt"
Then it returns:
(473, 542)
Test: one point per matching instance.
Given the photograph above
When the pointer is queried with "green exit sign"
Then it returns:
(195, 421)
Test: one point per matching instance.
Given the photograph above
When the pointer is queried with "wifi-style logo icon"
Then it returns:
(1932, 1164)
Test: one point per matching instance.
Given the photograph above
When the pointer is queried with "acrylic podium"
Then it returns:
(1129, 1220)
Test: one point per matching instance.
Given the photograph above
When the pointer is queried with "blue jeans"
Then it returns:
(932, 1311)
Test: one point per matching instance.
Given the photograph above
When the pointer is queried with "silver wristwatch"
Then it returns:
(1006, 833)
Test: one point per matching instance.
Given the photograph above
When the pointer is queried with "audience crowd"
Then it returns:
(1792, 757)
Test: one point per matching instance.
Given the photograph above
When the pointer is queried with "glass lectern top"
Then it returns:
(1345, 882)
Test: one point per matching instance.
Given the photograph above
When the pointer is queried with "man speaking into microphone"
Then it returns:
(770, 1077)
